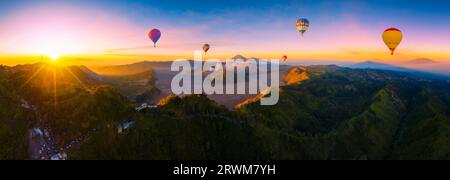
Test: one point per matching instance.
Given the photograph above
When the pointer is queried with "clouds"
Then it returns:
(80, 30)
(339, 29)
(28, 30)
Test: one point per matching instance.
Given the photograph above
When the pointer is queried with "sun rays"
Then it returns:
(53, 78)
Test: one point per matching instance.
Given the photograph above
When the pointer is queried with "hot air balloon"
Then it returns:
(154, 35)
(302, 25)
(206, 47)
(392, 37)
(284, 58)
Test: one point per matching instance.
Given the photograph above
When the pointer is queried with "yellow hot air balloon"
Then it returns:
(392, 37)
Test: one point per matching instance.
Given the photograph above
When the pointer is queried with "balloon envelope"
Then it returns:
(154, 35)
(206, 47)
(284, 58)
(392, 37)
(302, 25)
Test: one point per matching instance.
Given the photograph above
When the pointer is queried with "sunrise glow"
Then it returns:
(262, 80)
(108, 32)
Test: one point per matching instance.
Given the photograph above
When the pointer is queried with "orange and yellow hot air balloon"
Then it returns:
(392, 37)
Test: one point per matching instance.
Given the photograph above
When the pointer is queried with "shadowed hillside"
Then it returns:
(338, 113)
(66, 102)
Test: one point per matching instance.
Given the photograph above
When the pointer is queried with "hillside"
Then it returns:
(138, 87)
(15, 121)
(326, 112)
(338, 113)
(65, 102)
(151, 81)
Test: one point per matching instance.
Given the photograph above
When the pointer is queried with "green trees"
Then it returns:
(337, 114)
(70, 104)
(15, 121)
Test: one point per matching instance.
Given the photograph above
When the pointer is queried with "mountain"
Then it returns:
(324, 112)
(379, 66)
(142, 82)
(428, 65)
(138, 87)
(420, 61)
(388, 67)
(299, 74)
(15, 121)
(237, 57)
(151, 81)
(337, 113)
(66, 102)
(131, 69)
(90, 73)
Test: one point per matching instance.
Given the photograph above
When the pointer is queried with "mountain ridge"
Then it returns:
(420, 61)
(339, 113)
(389, 67)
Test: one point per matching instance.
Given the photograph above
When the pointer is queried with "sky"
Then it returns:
(100, 32)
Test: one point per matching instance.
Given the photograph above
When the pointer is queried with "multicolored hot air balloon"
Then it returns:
(302, 25)
(206, 47)
(154, 35)
(284, 58)
(392, 37)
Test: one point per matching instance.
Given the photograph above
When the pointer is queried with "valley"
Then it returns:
(325, 112)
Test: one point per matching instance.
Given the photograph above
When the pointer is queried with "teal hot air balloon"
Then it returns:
(154, 35)
(302, 25)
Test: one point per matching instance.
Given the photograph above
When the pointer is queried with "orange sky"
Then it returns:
(96, 37)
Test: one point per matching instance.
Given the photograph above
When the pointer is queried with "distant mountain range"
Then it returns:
(239, 57)
(388, 67)
(327, 112)
(380, 66)
(130, 69)
(420, 61)
(366, 111)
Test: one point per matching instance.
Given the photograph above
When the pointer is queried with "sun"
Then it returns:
(56, 49)
(53, 57)
(52, 54)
